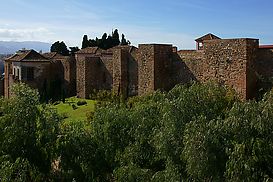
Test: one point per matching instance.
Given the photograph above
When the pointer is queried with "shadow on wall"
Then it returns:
(53, 87)
(98, 75)
(132, 76)
(264, 71)
(180, 72)
(104, 76)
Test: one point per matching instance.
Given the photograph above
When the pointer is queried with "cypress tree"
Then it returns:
(85, 42)
(103, 41)
(115, 37)
(123, 40)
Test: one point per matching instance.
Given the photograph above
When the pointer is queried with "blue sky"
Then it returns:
(142, 21)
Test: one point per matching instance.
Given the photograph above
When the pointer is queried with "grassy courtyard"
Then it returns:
(72, 111)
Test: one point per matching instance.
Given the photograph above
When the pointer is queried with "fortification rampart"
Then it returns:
(137, 71)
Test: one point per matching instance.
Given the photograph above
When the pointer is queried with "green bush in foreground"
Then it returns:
(238, 147)
(28, 136)
(147, 135)
(200, 132)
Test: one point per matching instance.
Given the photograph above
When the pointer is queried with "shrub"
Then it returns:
(90, 116)
(142, 139)
(63, 115)
(56, 103)
(81, 103)
(28, 135)
(105, 95)
(74, 107)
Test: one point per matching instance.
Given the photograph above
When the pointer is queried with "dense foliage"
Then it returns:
(28, 136)
(106, 41)
(60, 48)
(200, 132)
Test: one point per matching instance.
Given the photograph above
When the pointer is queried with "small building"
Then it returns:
(43, 72)
(200, 41)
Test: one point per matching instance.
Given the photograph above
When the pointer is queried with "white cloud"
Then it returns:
(19, 34)
(72, 34)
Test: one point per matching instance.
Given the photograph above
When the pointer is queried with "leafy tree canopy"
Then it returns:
(60, 48)
(28, 136)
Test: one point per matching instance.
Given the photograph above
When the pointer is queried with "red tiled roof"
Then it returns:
(88, 50)
(54, 55)
(49, 55)
(26, 55)
(266, 46)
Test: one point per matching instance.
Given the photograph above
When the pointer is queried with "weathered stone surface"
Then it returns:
(227, 61)
(94, 71)
(120, 72)
(154, 67)
(146, 77)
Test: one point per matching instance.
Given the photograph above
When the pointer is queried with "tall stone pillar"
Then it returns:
(120, 72)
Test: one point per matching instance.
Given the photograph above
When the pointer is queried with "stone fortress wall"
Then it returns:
(129, 71)
(136, 71)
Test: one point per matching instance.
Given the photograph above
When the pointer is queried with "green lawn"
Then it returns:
(75, 114)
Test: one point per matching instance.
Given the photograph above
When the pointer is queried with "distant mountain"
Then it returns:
(10, 47)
